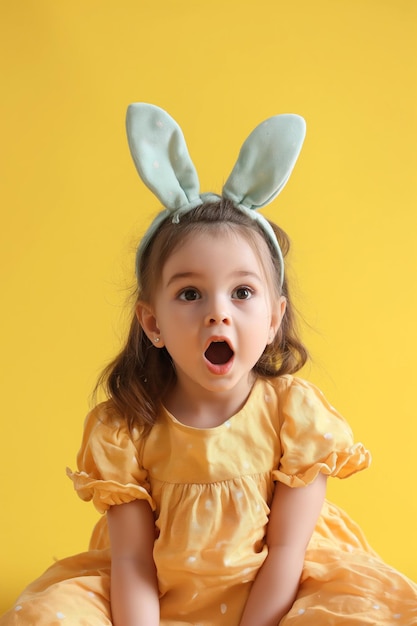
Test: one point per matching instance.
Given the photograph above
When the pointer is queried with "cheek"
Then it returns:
(174, 319)
(258, 323)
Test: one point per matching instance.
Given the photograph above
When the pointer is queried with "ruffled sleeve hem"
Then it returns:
(340, 464)
(106, 493)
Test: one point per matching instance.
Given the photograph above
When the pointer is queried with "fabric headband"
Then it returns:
(263, 167)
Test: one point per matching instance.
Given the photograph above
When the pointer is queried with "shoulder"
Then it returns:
(105, 422)
(103, 415)
(292, 387)
(300, 401)
(288, 381)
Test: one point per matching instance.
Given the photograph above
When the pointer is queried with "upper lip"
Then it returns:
(218, 339)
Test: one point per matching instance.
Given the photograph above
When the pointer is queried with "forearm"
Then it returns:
(275, 587)
(134, 594)
(134, 587)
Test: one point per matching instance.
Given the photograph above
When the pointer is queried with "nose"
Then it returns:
(217, 314)
(214, 320)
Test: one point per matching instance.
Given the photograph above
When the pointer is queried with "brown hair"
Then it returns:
(139, 376)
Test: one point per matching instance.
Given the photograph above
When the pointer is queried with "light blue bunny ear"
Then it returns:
(265, 161)
(161, 156)
(160, 153)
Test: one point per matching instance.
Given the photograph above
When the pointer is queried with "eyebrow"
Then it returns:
(197, 275)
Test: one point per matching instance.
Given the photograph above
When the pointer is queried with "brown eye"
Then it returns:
(189, 295)
(242, 293)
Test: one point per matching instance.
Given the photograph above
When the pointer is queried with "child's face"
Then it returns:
(214, 312)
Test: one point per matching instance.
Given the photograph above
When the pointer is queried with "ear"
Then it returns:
(146, 318)
(278, 312)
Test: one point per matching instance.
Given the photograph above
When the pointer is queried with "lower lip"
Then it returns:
(220, 369)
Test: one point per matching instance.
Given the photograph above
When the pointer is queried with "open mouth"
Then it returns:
(219, 353)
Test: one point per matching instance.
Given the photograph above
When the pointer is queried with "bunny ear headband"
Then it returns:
(264, 165)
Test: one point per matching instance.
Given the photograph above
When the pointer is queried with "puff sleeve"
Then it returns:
(109, 469)
(315, 438)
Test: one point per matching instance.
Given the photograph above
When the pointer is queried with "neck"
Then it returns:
(206, 409)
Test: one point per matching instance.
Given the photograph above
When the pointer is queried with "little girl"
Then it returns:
(209, 456)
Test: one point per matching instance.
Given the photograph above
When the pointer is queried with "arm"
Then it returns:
(134, 588)
(294, 514)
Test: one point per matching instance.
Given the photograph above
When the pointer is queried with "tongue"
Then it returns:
(218, 353)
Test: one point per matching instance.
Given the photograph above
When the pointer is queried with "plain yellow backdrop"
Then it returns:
(72, 209)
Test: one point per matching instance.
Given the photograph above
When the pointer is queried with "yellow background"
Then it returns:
(72, 208)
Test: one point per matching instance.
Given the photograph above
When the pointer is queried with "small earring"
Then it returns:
(157, 340)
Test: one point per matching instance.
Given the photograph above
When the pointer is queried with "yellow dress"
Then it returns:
(210, 490)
